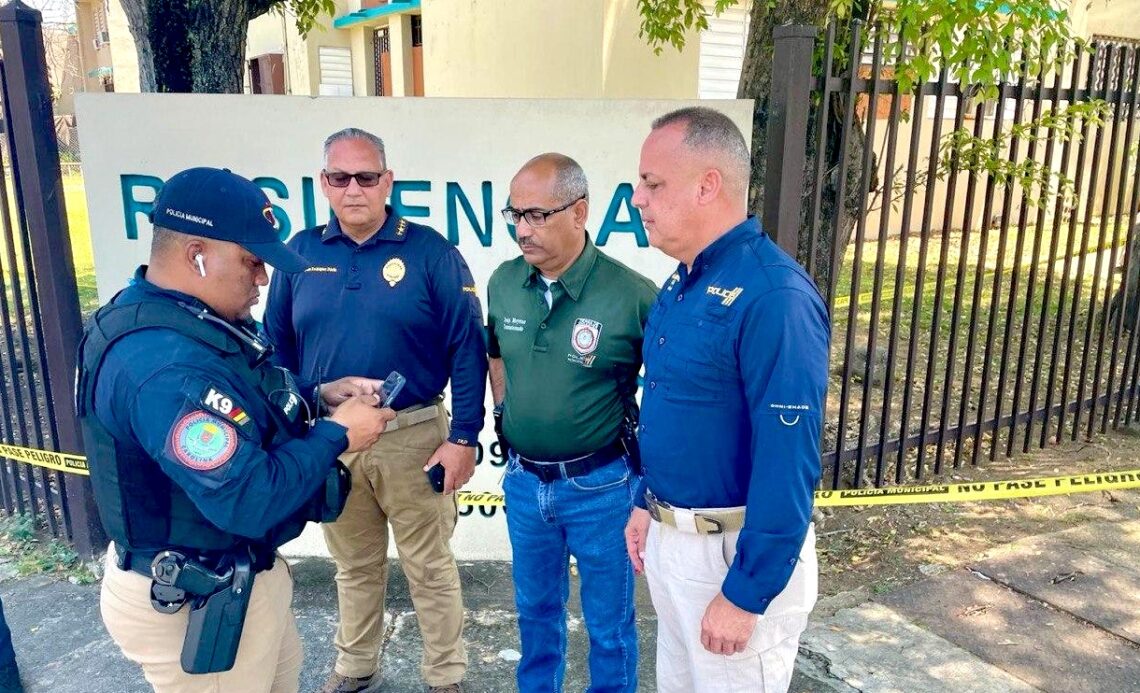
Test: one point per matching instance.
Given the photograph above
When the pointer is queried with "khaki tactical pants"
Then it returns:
(268, 658)
(389, 487)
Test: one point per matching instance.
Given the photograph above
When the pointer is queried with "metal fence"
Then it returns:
(39, 308)
(972, 316)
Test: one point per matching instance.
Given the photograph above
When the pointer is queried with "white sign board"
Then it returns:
(453, 161)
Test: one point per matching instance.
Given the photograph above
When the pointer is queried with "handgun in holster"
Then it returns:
(218, 602)
(214, 630)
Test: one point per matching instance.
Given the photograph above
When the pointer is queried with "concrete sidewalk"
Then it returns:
(1057, 612)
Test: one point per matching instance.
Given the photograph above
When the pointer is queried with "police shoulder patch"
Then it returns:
(203, 441)
(222, 403)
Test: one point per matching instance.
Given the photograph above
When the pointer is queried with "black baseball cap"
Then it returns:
(219, 204)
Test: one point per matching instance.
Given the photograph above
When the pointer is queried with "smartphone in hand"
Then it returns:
(390, 388)
(435, 477)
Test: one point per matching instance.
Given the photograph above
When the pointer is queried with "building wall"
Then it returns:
(324, 35)
(1118, 18)
(89, 58)
(124, 56)
(275, 33)
(521, 48)
(630, 69)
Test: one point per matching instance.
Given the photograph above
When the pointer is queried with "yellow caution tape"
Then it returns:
(936, 493)
(483, 498)
(59, 461)
(963, 492)
(968, 491)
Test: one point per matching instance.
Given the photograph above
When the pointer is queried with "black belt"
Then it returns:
(140, 561)
(549, 471)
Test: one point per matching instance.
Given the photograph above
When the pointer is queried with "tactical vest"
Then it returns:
(141, 508)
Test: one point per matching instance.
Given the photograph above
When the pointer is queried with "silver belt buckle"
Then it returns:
(716, 523)
(652, 506)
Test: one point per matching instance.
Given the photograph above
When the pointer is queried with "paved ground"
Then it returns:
(1057, 612)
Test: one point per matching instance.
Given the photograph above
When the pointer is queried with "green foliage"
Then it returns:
(667, 21)
(20, 538)
(978, 42)
(307, 12)
(989, 155)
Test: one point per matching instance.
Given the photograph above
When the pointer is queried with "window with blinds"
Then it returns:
(722, 52)
(336, 71)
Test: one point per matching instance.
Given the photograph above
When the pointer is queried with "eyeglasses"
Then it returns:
(535, 216)
(365, 179)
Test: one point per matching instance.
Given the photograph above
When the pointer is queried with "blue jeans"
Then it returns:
(547, 522)
(9, 673)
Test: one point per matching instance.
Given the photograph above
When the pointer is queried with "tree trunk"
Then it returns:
(756, 83)
(192, 45)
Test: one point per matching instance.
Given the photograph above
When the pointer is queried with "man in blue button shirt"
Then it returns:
(735, 355)
(384, 294)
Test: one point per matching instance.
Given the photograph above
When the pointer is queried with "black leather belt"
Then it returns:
(549, 471)
(140, 561)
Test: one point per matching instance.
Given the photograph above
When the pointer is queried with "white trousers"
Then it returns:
(685, 571)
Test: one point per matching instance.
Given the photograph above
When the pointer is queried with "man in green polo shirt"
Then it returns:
(565, 323)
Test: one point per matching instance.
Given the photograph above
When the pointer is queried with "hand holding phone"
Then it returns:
(390, 388)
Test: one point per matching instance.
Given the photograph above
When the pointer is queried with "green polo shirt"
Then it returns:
(563, 363)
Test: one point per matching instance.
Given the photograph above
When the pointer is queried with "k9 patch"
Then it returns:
(202, 441)
(218, 401)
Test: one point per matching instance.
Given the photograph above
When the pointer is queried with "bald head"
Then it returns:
(549, 195)
(569, 180)
(712, 137)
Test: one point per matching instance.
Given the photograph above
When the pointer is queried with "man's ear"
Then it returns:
(581, 211)
(712, 182)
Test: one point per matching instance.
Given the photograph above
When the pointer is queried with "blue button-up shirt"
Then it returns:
(735, 377)
(403, 300)
(151, 392)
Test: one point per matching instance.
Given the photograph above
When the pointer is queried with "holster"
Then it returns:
(216, 620)
(628, 434)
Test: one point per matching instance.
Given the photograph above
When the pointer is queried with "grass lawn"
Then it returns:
(79, 227)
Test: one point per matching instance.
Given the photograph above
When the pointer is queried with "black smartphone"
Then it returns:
(435, 477)
(390, 388)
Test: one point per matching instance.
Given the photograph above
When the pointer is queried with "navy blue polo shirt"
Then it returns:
(735, 378)
(156, 392)
(403, 300)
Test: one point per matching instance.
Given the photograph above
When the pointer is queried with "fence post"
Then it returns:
(39, 191)
(788, 106)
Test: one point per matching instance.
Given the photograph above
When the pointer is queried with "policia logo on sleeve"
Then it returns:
(203, 442)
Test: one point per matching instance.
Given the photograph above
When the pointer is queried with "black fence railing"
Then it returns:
(973, 314)
(39, 306)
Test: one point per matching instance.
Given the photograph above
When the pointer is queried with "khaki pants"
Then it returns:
(268, 658)
(389, 486)
(685, 571)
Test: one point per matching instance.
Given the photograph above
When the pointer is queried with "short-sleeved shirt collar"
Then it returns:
(394, 228)
(574, 278)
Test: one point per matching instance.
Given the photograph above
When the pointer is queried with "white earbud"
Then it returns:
(201, 264)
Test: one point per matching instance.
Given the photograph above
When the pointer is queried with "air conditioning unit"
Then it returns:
(105, 36)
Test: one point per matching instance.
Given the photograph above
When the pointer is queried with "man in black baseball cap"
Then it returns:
(203, 457)
(214, 232)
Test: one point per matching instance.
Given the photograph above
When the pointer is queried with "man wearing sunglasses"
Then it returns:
(564, 327)
(384, 294)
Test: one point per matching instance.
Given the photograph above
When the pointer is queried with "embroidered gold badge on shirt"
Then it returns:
(394, 271)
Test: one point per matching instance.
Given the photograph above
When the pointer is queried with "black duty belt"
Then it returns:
(549, 471)
(141, 561)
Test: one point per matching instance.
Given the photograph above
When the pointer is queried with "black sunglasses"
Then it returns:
(365, 179)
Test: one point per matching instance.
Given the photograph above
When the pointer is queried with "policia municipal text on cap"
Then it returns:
(202, 458)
